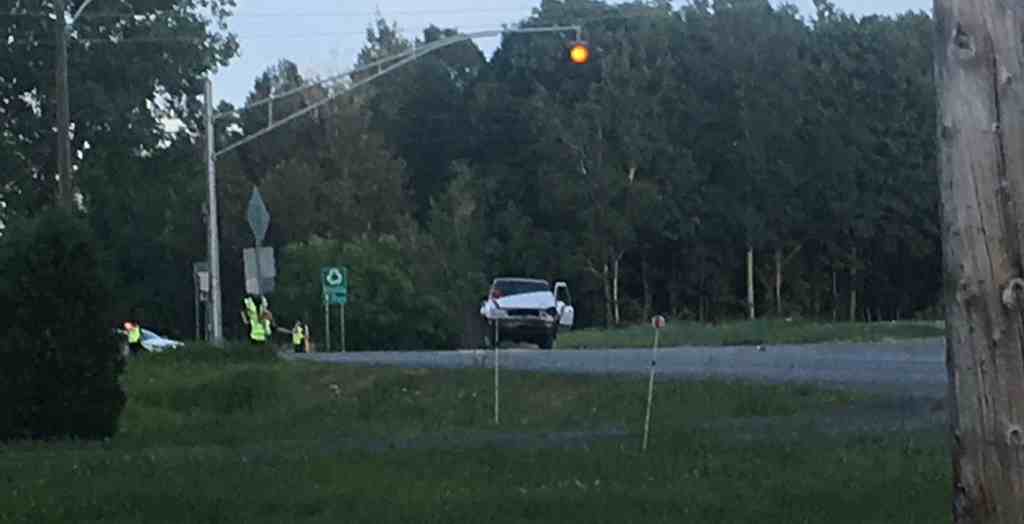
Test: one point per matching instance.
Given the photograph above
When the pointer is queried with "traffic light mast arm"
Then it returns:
(403, 58)
(417, 51)
(310, 109)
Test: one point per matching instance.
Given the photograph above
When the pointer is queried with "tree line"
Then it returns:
(705, 155)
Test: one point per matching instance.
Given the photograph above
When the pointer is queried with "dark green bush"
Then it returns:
(61, 362)
(205, 353)
(242, 390)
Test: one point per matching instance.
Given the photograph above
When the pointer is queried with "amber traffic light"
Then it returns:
(579, 53)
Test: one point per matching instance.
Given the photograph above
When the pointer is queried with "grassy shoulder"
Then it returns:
(243, 437)
(767, 331)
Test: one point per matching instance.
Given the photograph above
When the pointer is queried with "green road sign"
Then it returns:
(334, 281)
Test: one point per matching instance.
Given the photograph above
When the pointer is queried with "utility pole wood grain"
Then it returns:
(978, 68)
(65, 185)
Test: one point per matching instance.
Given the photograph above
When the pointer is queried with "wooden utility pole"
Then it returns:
(65, 192)
(978, 67)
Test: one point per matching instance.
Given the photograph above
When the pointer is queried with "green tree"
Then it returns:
(421, 108)
(131, 75)
(61, 361)
(388, 309)
(452, 266)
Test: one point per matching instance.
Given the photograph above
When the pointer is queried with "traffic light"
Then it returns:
(579, 53)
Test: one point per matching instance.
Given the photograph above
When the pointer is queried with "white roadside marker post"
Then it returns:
(496, 390)
(657, 322)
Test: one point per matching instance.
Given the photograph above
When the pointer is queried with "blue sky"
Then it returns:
(324, 36)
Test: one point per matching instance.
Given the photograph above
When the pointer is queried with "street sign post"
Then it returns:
(334, 283)
(201, 290)
(497, 380)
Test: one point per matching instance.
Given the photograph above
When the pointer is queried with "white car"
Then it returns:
(156, 343)
(526, 310)
(151, 341)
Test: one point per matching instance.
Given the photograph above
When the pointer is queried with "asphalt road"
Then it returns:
(914, 367)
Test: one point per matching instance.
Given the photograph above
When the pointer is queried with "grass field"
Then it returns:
(767, 331)
(213, 436)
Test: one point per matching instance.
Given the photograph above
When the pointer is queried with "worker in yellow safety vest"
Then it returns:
(248, 309)
(298, 337)
(267, 317)
(251, 317)
(134, 337)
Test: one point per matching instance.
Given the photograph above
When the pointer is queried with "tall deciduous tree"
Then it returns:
(128, 73)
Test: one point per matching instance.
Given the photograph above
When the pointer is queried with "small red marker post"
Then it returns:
(658, 323)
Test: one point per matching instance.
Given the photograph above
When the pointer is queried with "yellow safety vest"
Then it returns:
(297, 335)
(257, 331)
(134, 334)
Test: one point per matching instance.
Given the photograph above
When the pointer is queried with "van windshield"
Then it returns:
(518, 287)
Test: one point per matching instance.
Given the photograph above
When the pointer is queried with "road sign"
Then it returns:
(266, 267)
(201, 291)
(201, 275)
(334, 281)
(258, 216)
(658, 322)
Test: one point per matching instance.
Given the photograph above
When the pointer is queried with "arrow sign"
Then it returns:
(259, 217)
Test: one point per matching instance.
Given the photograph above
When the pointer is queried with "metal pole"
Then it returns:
(65, 186)
(79, 12)
(650, 388)
(213, 241)
(327, 323)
